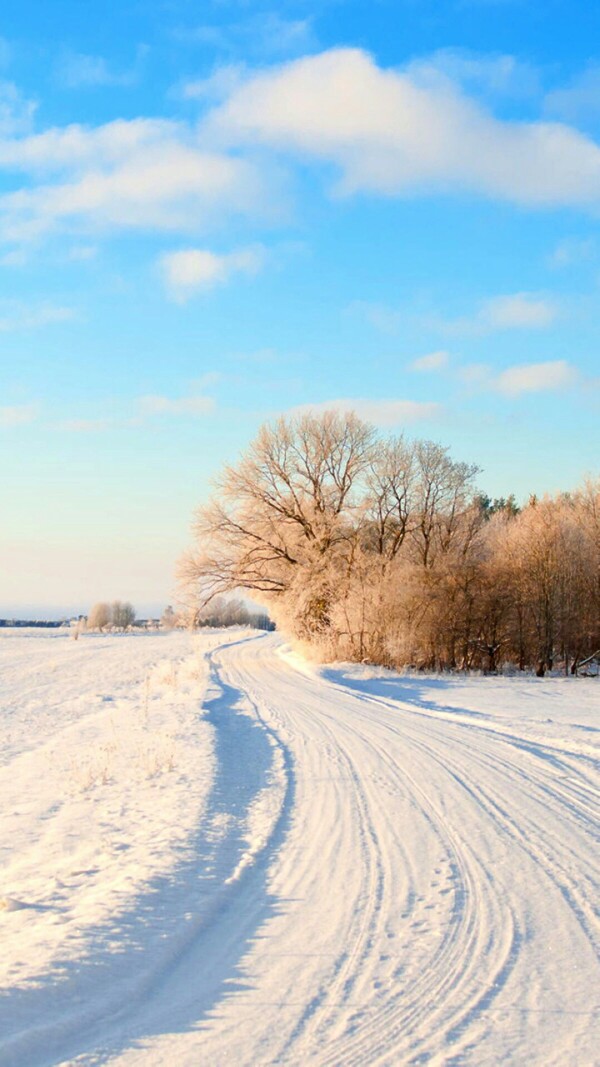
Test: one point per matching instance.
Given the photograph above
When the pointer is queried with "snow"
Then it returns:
(214, 852)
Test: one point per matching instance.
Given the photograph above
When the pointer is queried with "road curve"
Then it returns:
(374, 881)
(436, 888)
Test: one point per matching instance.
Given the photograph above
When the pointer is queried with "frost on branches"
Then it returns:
(382, 549)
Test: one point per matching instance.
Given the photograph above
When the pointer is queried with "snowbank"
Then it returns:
(105, 765)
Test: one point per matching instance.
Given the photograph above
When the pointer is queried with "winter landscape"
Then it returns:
(300, 538)
(228, 856)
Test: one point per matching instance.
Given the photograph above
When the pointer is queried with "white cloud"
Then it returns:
(431, 362)
(146, 407)
(493, 73)
(164, 405)
(535, 377)
(77, 147)
(16, 113)
(386, 412)
(14, 316)
(395, 134)
(513, 311)
(174, 188)
(277, 35)
(517, 311)
(265, 33)
(141, 173)
(386, 131)
(195, 270)
(18, 414)
(580, 99)
(78, 71)
(521, 378)
(217, 85)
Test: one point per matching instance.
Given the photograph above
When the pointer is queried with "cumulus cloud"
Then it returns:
(431, 362)
(391, 132)
(148, 406)
(195, 270)
(175, 188)
(535, 377)
(394, 133)
(386, 412)
(142, 173)
(18, 414)
(76, 147)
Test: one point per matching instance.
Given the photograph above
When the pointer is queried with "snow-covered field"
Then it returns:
(213, 853)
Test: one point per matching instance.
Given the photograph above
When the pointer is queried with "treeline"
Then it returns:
(382, 550)
(221, 612)
(118, 615)
(229, 611)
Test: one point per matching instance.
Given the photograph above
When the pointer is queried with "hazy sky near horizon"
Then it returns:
(214, 213)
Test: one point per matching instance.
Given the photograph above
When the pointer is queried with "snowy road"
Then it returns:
(385, 871)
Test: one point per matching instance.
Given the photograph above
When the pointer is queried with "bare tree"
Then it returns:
(99, 616)
(122, 614)
(382, 550)
(391, 500)
(281, 511)
(168, 619)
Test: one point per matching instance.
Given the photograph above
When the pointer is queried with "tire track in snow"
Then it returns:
(345, 966)
(394, 902)
(324, 1009)
(583, 906)
(486, 941)
(542, 857)
(448, 968)
(169, 955)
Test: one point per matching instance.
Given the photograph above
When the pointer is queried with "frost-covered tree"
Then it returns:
(99, 616)
(168, 619)
(281, 515)
(382, 550)
(122, 614)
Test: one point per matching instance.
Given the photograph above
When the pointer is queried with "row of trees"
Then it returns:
(229, 611)
(383, 550)
(220, 612)
(119, 615)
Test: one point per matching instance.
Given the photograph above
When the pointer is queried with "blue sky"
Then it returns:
(212, 214)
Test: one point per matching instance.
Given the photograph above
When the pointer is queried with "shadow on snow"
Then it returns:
(167, 961)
